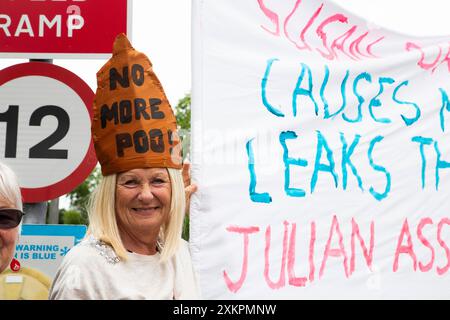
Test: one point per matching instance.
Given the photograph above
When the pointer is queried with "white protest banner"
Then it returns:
(321, 149)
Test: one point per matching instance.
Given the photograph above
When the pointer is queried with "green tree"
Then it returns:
(72, 217)
(183, 112)
(183, 115)
(79, 197)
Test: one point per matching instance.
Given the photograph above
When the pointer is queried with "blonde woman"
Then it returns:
(134, 248)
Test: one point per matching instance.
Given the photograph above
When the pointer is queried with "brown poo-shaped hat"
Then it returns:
(133, 125)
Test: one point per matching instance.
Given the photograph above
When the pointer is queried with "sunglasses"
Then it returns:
(10, 218)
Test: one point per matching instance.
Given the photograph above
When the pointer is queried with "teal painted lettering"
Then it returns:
(407, 121)
(422, 141)
(304, 92)
(360, 98)
(344, 98)
(440, 164)
(322, 144)
(445, 107)
(375, 194)
(375, 102)
(269, 107)
(293, 192)
(326, 77)
(255, 197)
(346, 161)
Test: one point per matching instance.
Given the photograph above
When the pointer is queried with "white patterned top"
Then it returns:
(92, 271)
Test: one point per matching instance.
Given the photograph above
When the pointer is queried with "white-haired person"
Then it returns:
(10, 215)
(133, 248)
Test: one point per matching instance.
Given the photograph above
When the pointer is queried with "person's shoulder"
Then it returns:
(184, 246)
(186, 283)
(91, 251)
(184, 243)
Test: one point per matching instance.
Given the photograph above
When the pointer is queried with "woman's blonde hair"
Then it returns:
(103, 221)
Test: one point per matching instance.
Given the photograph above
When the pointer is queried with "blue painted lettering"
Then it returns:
(445, 107)
(422, 141)
(293, 192)
(255, 197)
(322, 144)
(304, 92)
(346, 154)
(375, 194)
(407, 121)
(361, 99)
(269, 107)
(440, 164)
(375, 102)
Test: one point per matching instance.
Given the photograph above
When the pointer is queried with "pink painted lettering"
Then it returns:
(281, 280)
(442, 270)
(311, 251)
(368, 254)
(330, 55)
(293, 280)
(407, 249)
(423, 222)
(334, 252)
(428, 60)
(296, 32)
(305, 29)
(246, 231)
(273, 17)
(339, 43)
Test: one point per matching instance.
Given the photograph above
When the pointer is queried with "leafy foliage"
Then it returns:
(79, 197)
(185, 232)
(72, 217)
(183, 112)
(183, 115)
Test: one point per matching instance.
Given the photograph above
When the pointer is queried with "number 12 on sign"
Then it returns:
(41, 150)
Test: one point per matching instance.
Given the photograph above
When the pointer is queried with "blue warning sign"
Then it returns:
(43, 247)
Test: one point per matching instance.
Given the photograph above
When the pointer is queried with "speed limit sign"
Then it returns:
(45, 135)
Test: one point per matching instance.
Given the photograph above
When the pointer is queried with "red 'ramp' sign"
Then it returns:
(61, 28)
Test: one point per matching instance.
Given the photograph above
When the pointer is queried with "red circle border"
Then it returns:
(50, 192)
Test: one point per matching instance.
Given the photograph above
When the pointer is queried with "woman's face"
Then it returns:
(8, 239)
(143, 198)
